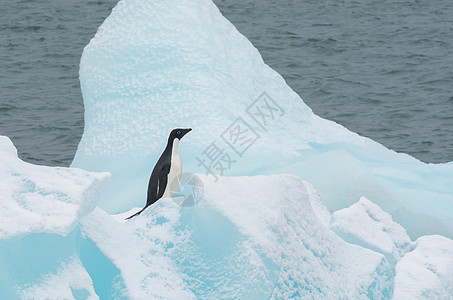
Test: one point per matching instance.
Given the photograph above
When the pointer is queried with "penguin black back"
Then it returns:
(159, 178)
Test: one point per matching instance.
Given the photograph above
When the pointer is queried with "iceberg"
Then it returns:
(290, 205)
(153, 67)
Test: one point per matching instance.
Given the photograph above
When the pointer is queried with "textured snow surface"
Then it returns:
(70, 282)
(43, 199)
(366, 224)
(339, 222)
(282, 231)
(249, 238)
(140, 250)
(426, 272)
(40, 208)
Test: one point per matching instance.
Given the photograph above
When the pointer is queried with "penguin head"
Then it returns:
(178, 133)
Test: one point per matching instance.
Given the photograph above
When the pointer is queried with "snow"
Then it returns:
(43, 199)
(276, 216)
(138, 249)
(249, 238)
(40, 208)
(366, 224)
(71, 280)
(426, 272)
(308, 209)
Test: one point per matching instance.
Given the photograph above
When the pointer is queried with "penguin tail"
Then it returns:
(137, 213)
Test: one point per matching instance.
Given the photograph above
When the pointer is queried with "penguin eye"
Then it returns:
(178, 132)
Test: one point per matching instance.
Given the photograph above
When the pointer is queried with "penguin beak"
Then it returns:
(185, 131)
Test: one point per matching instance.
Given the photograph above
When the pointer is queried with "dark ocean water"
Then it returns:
(41, 106)
(383, 69)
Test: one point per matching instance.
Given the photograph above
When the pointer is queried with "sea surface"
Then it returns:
(383, 69)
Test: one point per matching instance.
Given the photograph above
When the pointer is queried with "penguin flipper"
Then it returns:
(156, 188)
(163, 181)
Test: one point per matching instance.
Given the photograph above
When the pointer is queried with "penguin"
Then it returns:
(165, 176)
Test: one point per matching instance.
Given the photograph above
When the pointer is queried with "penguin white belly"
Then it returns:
(174, 175)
